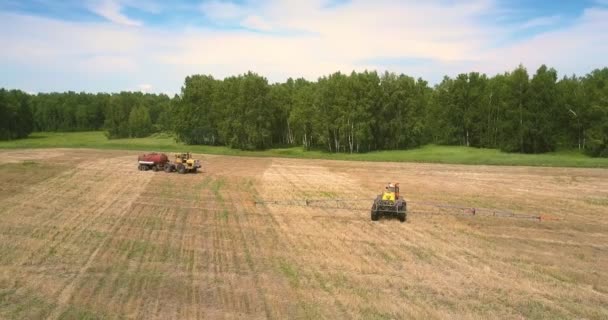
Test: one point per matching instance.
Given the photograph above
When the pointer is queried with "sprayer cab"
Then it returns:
(389, 203)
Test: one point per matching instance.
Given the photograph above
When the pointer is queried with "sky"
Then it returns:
(152, 45)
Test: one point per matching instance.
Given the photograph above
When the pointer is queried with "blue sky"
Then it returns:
(114, 45)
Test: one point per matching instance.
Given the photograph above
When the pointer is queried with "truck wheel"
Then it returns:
(155, 168)
(139, 167)
(402, 217)
(181, 169)
(167, 168)
(375, 214)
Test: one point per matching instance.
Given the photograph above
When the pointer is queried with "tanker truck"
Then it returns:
(183, 162)
(152, 161)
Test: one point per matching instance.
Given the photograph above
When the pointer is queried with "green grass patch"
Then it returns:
(374, 314)
(224, 215)
(290, 272)
(533, 309)
(429, 153)
(17, 177)
(309, 310)
(598, 201)
(216, 188)
(421, 254)
(23, 304)
(82, 313)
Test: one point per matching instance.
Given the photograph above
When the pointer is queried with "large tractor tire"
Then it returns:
(375, 215)
(181, 169)
(402, 216)
(168, 168)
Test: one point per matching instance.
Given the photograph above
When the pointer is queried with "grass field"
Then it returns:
(431, 154)
(85, 235)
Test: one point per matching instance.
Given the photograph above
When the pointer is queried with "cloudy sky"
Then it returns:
(113, 45)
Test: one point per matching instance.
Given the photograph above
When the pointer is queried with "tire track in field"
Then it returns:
(241, 213)
(135, 187)
(65, 235)
(371, 255)
(406, 246)
(440, 267)
(230, 226)
(282, 233)
(387, 235)
(331, 225)
(307, 242)
(458, 259)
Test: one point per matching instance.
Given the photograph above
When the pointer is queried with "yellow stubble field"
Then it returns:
(84, 234)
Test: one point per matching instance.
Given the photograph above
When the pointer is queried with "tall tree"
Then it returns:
(195, 120)
(543, 110)
(596, 133)
(517, 116)
(15, 115)
(140, 124)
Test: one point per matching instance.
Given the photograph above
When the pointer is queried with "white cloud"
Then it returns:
(307, 39)
(541, 22)
(328, 40)
(221, 10)
(111, 10)
(576, 49)
(256, 23)
(104, 64)
(145, 87)
(146, 5)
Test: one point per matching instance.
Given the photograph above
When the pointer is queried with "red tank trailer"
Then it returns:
(154, 161)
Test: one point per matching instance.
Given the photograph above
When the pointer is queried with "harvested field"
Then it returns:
(84, 234)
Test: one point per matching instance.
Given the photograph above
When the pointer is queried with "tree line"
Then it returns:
(356, 112)
(121, 115)
(519, 113)
(367, 111)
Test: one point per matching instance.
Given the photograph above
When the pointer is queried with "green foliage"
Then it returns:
(133, 114)
(341, 113)
(236, 112)
(302, 114)
(595, 121)
(15, 115)
(543, 109)
(69, 111)
(140, 124)
(117, 115)
(518, 114)
(194, 116)
(247, 114)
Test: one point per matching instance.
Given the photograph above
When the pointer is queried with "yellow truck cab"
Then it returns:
(183, 163)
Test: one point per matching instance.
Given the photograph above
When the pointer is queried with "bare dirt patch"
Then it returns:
(84, 234)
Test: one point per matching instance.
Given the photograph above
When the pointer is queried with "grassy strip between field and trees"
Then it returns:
(429, 153)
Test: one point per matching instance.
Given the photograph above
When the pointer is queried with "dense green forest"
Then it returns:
(357, 112)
